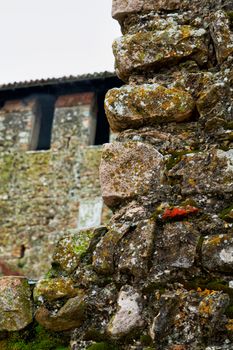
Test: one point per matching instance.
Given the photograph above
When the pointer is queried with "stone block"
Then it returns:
(135, 106)
(129, 170)
(71, 247)
(155, 49)
(122, 8)
(128, 318)
(53, 289)
(214, 105)
(186, 317)
(205, 173)
(175, 247)
(15, 303)
(137, 249)
(217, 253)
(103, 256)
(221, 35)
(71, 315)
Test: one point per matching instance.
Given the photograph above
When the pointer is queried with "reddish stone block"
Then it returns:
(75, 100)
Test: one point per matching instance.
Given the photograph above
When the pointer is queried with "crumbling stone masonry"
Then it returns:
(159, 276)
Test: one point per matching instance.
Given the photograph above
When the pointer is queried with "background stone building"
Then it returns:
(51, 132)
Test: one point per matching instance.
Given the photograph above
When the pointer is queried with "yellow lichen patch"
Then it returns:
(215, 240)
(206, 307)
(192, 182)
(229, 325)
(134, 106)
(56, 288)
(186, 31)
(159, 47)
(205, 292)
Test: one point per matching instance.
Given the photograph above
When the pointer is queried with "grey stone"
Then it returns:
(121, 8)
(214, 105)
(142, 51)
(53, 289)
(217, 253)
(137, 249)
(135, 106)
(128, 318)
(103, 255)
(175, 246)
(69, 316)
(71, 247)
(184, 317)
(129, 170)
(205, 173)
(15, 303)
(221, 35)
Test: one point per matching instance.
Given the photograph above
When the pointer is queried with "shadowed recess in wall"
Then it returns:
(42, 128)
(102, 127)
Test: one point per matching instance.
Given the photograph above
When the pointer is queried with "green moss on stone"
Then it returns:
(145, 340)
(229, 311)
(53, 289)
(176, 157)
(230, 16)
(224, 213)
(36, 338)
(72, 248)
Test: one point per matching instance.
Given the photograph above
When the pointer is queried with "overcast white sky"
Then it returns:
(52, 38)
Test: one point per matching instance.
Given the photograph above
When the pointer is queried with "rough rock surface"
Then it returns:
(217, 253)
(15, 303)
(103, 256)
(53, 289)
(221, 35)
(69, 316)
(135, 52)
(70, 249)
(122, 8)
(138, 247)
(176, 246)
(148, 104)
(192, 316)
(206, 173)
(128, 318)
(128, 170)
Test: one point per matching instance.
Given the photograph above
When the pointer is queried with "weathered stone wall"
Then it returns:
(159, 275)
(42, 191)
(16, 120)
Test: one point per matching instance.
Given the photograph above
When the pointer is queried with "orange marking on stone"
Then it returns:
(177, 212)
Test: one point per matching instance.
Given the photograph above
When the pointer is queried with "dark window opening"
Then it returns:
(42, 128)
(102, 126)
(22, 250)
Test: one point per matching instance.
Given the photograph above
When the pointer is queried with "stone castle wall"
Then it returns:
(44, 194)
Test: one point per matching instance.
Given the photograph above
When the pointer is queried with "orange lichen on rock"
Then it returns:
(229, 326)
